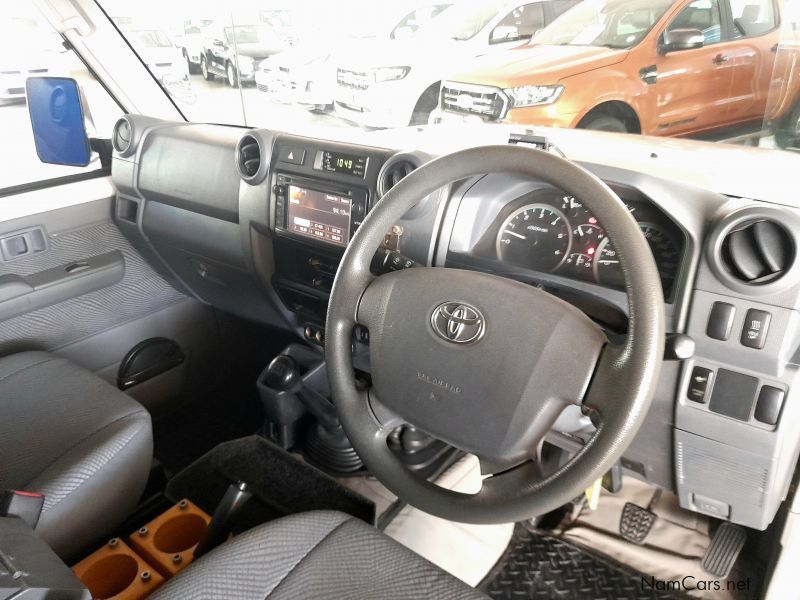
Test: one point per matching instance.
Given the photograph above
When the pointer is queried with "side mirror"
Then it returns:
(504, 33)
(57, 118)
(682, 39)
(218, 43)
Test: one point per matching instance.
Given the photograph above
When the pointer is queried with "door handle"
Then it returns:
(720, 58)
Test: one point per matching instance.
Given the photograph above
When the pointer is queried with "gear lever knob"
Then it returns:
(282, 373)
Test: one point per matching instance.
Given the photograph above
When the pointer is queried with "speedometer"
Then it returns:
(536, 236)
(608, 271)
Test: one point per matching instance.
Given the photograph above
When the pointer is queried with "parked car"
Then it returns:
(25, 51)
(164, 59)
(395, 83)
(306, 73)
(190, 41)
(660, 67)
(235, 52)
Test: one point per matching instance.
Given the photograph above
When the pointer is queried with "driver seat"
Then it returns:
(321, 554)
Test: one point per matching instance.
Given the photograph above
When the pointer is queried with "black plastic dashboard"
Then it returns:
(255, 222)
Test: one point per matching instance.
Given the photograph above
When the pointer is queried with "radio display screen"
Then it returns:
(319, 215)
(336, 162)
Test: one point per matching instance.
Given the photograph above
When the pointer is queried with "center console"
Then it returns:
(320, 192)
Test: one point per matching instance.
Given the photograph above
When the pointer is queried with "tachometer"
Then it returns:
(666, 253)
(536, 236)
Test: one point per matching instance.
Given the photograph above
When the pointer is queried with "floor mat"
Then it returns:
(673, 549)
(281, 484)
(541, 567)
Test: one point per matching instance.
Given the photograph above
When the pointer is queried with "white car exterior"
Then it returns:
(26, 50)
(396, 83)
(306, 74)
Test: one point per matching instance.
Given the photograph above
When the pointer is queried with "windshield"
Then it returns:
(248, 34)
(149, 39)
(720, 70)
(612, 23)
(464, 21)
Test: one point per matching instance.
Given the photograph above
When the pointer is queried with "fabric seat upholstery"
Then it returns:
(68, 434)
(321, 554)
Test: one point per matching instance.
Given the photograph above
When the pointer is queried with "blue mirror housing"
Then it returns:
(59, 132)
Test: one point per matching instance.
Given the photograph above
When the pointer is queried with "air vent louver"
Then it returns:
(248, 157)
(121, 139)
(395, 169)
(758, 251)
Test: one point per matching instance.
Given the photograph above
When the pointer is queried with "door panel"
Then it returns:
(693, 86)
(97, 325)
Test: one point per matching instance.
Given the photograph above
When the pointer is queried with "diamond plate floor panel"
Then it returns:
(540, 567)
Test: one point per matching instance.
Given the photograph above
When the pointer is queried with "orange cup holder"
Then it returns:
(115, 572)
(180, 533)
(168, 541)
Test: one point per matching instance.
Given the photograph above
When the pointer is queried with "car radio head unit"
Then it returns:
(317, 210)
(319, 215)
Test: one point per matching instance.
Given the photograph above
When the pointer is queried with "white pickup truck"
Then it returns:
(394, 83)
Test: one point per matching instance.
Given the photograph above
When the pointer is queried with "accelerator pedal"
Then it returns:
(724, 549)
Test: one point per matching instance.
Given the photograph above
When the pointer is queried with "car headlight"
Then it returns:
(245, 63)
(390, 73)
(533, 95)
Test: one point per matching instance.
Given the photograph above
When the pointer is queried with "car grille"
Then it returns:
(163, 65)
(16, 90)
(352, 79)
(261, 87)
(485, 101)
(37, 70)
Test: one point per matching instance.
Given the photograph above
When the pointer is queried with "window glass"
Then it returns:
(562, 6)
(703, 15)
(29, 47)
(752, 17)
(610, 23)
(520, 24)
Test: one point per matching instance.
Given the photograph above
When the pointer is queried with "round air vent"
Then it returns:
(248, 158)
(122, 137)
(396, 168)
(757, 251)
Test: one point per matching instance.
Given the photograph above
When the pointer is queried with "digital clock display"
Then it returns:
(336, 162)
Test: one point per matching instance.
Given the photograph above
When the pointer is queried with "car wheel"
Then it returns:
(787, 130)
(426, 104)
(604, 122)
(204, 69)
(233, 78)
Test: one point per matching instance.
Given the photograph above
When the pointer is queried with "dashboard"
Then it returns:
(255, 222)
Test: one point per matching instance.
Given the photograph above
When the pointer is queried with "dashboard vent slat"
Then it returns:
(248, 158)
(395, 169)
(758, 251)
(122, 136)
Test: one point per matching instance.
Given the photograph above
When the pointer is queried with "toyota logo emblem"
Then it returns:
(458, 322)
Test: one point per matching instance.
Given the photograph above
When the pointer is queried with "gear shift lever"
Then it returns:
(283, 373)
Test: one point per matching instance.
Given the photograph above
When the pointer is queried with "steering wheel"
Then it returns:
(487, 364)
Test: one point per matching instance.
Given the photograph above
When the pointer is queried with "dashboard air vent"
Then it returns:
(758, 251)
(248, 157)
(395, 169)
(122, 136)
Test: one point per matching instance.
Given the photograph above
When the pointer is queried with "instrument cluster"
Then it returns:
(549, 231)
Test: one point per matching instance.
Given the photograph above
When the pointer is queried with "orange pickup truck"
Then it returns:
(659, 67)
